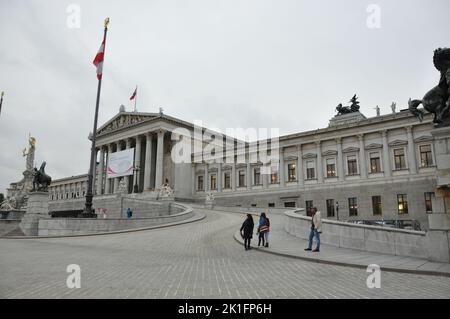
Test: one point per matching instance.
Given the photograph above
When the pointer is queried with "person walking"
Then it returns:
(316, 229)
(266, 231)
(129, 212)
(263, 230)
(247, 231)
(259, 231)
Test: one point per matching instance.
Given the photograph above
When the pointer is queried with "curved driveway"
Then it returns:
(197, 260)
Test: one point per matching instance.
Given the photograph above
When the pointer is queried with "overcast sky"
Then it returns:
(231, 63)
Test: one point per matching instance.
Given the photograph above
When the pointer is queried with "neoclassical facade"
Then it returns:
(356, 168)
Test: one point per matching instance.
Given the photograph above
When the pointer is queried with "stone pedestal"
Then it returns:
(439, 221)
(37, 208)
(209, 201)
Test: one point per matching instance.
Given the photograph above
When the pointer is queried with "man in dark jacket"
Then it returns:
(247, 231)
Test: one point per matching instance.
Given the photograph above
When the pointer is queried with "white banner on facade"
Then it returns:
(120, 163)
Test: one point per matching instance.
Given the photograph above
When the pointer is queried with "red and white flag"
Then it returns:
(98, 61)
(134, 95)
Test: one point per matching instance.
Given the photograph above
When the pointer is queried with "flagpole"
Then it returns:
(88, 211)
(1, 101)
(135, 100)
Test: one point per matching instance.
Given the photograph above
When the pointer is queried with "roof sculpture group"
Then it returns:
(436, 100)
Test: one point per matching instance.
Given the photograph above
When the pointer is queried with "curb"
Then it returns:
(197, 217)
(344, 264)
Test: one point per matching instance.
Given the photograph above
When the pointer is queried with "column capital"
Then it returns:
(409, 128)
(384, 133)
(149, 134)
(338, 140)
(361, 136)
(161, 131)
(318, 143)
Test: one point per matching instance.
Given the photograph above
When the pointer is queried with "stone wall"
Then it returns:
(8, 225)
(362, 237)
(84, 226)
(257, 210)
(414, 188)
(116, 205)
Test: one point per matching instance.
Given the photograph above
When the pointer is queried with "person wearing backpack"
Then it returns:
(261, 223)
(263, 230)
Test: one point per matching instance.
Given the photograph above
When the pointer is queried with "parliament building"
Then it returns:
(357, 168)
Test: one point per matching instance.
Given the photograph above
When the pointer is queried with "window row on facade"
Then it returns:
(351, 168)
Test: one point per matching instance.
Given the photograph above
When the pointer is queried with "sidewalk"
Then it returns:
(284, 244)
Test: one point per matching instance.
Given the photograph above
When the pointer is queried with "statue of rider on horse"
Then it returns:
(41, 180)
(437, 100)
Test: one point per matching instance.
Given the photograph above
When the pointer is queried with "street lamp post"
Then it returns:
(337, 210)
(136, 172)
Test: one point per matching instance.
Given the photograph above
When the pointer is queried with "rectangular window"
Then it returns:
(271, 204)
(399, 158)
(428, 202)
(310, 170)
(290, 204)
(376, 205)
(402, 202)
(330, 207)
(425, 156)
(200, 183)
(274, 178)
(291, 173)
(309, 206)
(257, 176)
(331, 168)
(352, 165)
(241, 178)
(227, 180)
(375, 166)
(353, 206)
(213, 182)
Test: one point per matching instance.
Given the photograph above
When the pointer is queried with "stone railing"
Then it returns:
(362, 237)
(85, 226)
(256, 210)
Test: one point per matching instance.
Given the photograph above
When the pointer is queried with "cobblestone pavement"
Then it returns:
(197, 260)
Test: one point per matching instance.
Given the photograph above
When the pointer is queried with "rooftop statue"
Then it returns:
(41, 180)
(436, 100)
(354, 106)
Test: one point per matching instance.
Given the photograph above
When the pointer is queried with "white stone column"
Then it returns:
(319, 162)
(219, 178)
(386, 155)
(249, 174)
(148, 161)
(362, 157)
(137, 163)
(411, 151)
(206, 179)
(128, 178)
(281, 169)
(193, 181)
(300, 174)
(117, 179)
(233, 176)
(100, 171)
(159, 160)
(265, 177)
(340, 160)
(108, 180)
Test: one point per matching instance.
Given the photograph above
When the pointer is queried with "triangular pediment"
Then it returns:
(350, 149)
(423, 138)
(398, 142)
(373, 146)
(125, 119)
(309, 155)
(329, 153)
